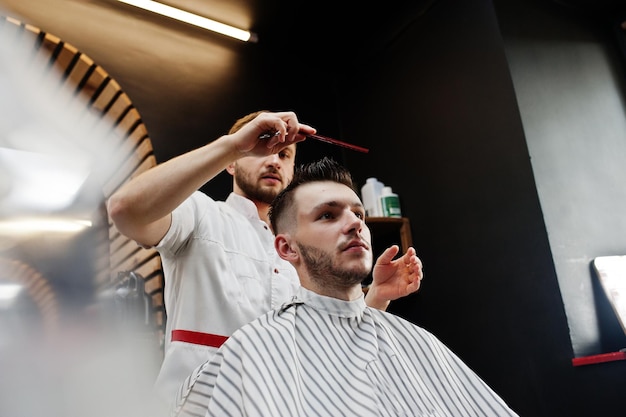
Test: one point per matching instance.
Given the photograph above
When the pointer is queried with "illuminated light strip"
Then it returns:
(9, 291)
(193, 19)
(21, 226)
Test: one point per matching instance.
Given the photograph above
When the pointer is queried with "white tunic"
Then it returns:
(320, 356)
(221, 271)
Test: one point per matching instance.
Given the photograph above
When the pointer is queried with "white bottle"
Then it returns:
(390, 203)
(370, 194)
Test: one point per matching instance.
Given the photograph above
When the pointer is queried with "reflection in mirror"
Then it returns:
(74, 333)
(28, 304)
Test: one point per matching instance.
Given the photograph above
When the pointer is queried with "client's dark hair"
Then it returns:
(325, 169)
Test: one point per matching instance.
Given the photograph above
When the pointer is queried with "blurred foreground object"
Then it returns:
(68, 137)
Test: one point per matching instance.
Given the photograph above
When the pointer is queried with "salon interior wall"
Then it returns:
(569, 77)
(458, 124)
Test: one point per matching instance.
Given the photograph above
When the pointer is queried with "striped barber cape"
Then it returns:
(320, 356)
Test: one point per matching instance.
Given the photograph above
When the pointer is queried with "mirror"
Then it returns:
(81, 307)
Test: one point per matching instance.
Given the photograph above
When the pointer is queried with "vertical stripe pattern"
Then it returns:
(319, 356)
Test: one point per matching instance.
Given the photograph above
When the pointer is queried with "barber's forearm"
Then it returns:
(155, 193)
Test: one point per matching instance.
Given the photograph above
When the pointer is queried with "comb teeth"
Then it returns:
(268, 135)
(339, 143)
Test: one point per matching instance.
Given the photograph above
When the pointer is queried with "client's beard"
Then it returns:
(324, 273)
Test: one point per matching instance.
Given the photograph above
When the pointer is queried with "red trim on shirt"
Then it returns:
(198, 338)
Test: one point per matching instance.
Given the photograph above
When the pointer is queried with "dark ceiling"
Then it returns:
(176, 74)
(189, 85)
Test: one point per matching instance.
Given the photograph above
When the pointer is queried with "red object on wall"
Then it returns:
(603, 357)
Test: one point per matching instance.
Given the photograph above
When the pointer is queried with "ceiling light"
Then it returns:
(193, 19)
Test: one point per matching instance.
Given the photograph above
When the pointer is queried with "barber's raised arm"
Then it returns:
(141, 209)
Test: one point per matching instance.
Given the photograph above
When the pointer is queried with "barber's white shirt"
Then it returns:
(221, 271)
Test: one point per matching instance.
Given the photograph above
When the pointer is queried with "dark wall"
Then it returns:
(439, 112)
(569, 78)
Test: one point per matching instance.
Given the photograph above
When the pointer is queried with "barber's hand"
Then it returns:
(283, 127)
(393, 279)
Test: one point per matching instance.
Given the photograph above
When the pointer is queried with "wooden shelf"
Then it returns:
(397, 229)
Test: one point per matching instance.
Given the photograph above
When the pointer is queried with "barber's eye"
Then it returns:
(360, 215)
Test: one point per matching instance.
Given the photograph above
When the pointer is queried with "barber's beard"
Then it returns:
(253, 190)
(325, 273)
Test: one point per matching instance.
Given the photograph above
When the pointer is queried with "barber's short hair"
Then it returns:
(241, 122)
(325, 169)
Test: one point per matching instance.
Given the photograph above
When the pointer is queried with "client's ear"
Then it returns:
(231, 169)
(282, 244)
